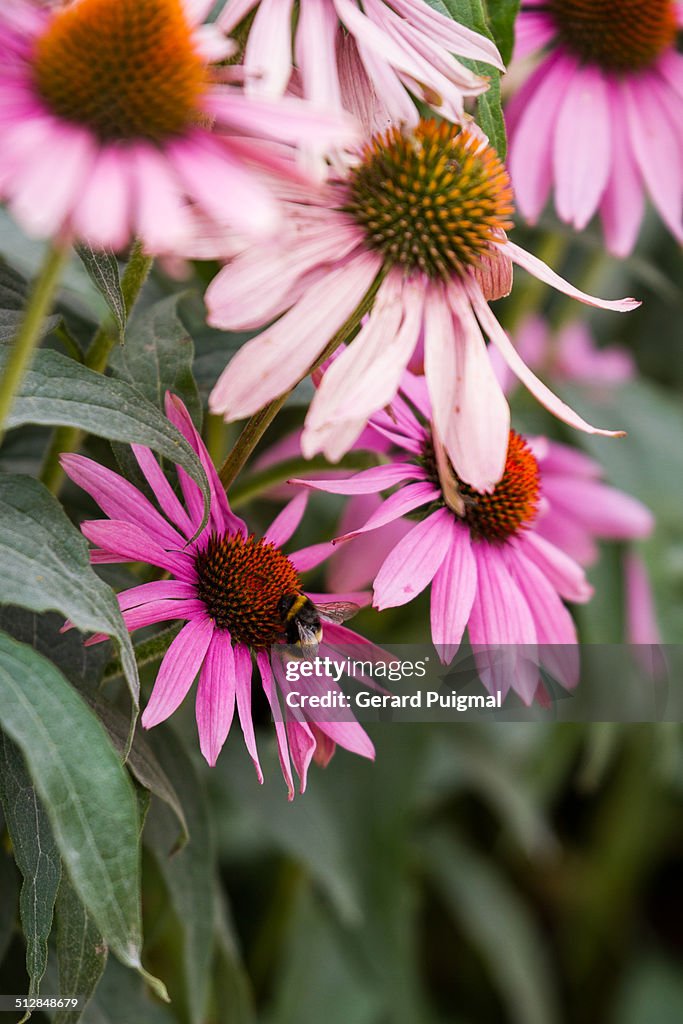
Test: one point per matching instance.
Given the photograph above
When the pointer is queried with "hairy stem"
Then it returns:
(37, 307)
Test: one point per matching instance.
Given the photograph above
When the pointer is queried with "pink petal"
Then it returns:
(582, 153)
(243, 673)
(216, 696)
(641, 614)
(136, 545)
(403, 501)
(356, 563)
(624, 199)
(277, 359)
(160, 215)
(538, 389)
(367, 481)
(157, 590)
(177, 671)
(103, 214)
(234, 12)
(453, 589)
(163, 491)
(268, 53)
(316, 34)
(412, 564)
(311, 557)
(263, 662)
(603, 510)
(287, 522)
(561, 571)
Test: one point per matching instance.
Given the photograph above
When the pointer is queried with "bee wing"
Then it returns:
(308, 636)
(337, 611)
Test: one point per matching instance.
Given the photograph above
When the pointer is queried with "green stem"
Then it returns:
(256, 427)
(68, 439)
(37, 307)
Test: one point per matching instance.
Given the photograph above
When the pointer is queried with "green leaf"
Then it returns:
(82, 666)
(12, 301)
(57, 391)
(81, 951)
(103, 271)
(496, 920)
(231, 993)
(85, 790)
(158, 356)
(9, 895)
(143, 764)
(36, 855)
(45, 566)
(472, 13)
(189, 875)
(501, 17)
(121, 997)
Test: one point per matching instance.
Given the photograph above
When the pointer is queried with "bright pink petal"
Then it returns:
(412, 564)
(453, 589)
(367, 481)
(403, 501)
(136, 545)
(177, 671)
(624, 199)
(311, 557)
(156, 590)
(641, 615)
(582, 153)
(263, 662)
(287, 522)
(163, 491)
(604, 511)
(356, 563)
(561, 571)
(243, 673)
(216, 696)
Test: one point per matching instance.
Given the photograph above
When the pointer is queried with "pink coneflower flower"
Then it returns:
(599, 119)
(111, 120)
(227, 585)
(427, 211)
(404, 46)
(490, 569)
(570, 354)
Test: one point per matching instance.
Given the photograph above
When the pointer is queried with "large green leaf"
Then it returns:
(9, 893)
(45, 566)
(84, 788)
(57, 391)
(121, 997)
(81, 951)
(496, 920)
(158, 356)
(36, 854)
(103, 271)
(82, 666)
(189, 874)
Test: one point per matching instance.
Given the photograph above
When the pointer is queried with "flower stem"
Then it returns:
(37, 307)
(68, 439)
(257, 425)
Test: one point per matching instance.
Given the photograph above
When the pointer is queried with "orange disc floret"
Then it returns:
(617, 35)
(513, 504)
(242, 581)
(432, 199)
(126, 69)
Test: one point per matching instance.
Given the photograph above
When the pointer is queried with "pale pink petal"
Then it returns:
(641, 616)
(104, 212)
(287, 522)
(562, 458)
(197, 11)
(403, 501)
(582, 152)
(531, 142)
(316, 57)
(624, 199)
(478, 432)
(367, 481)
(271, 363)
(268, 54)
(538, 389)
(561, 571)
(412, 564)
(160, 214)
(604, 511)
(449, 32)
(234, 12)
(656, 149)
(177, 671)
(215, 704)
(378, 41)
(285, 119)
(263, 662)
(565, 533)
(501, 628)
(453, 589)
(440, 368)
(243, 673)
(394, 100)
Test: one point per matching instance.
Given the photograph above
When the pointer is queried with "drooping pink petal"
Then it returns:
(624, 198)
(565, 575)
(412, 564)
(178, 670)
(263, 662)
(215, 704)
(538, 389)
(163, 491)
(243, 674)
(356, 563)
(277, 359)
(453, 589)
(641, 616)
(268, 53)
(501, 628)
(367, 481)
(287, 522)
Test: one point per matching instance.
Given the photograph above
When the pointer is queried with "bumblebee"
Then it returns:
(302, 621)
